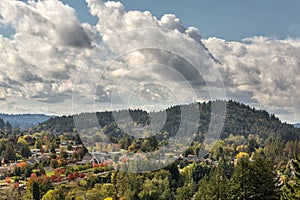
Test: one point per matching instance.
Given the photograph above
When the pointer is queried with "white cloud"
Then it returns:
(141, 43)
(141, 56)
(40, 59)
(267, 68)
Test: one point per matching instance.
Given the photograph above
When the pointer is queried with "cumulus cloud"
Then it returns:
(40, 58)
(267, 69)
(52, 56)
(51, 50)
(50, 20)
(151, 50)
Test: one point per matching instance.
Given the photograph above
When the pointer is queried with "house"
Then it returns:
(191, 157)
(31, 161)
(98, 157)
(43, 158)
(35, 151)
(85, 160)
(4, 170)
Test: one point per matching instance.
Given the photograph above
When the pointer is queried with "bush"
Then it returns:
(81, 175)
(98, 170)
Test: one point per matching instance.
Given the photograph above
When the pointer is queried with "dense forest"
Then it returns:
(240, 120)
(256, 156)
(24, 121)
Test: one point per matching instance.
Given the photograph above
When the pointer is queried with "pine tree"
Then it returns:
(253, 179)
(36, 191)
(202, 193)
(77, 139)
(264, 177)
(291, 189)
(8, 127)
(9, 153)
(24, 150)
(215, 187)
(39, 144)
(187, 191)
(2, 124)
(156, 188)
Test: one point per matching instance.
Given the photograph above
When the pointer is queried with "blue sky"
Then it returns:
(260, 71)
(230, 20)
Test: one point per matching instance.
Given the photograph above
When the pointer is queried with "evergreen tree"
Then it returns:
(77, 139)
(215, 187)
(189, 187)
(56, 194)
(156, 189)
(24, 150)
(203, 190)
(187, 191)
(174, 172)
(8, 127)
(39, 143)
(252, 179)
(291, 189)
(252, 145)
(9, 153)
(36, 191)
(128, 184)
(2, 124)
(265, 178)
(17, 171)
(28, 171)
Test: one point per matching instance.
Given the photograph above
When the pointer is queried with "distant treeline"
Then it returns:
(24, 121)
(241, 120)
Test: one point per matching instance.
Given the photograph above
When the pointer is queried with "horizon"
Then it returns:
(155, 111)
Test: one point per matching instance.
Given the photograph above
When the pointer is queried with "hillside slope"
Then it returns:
(24, 121)
(240, 120)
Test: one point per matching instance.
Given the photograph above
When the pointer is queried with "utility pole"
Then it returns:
(93, 156)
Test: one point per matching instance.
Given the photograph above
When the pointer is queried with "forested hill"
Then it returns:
(241, 120)
(297, 125)
(24, 121)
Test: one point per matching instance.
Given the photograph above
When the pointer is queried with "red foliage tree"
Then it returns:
(43, 179)
(62, 170)
(56, 171)
(16, 185)
(101, 165)
(33, 176)
(59, 178)
(7, 180)
(22, 165)
(53, 178)
(81, 175)
(75, 175)
(70, 177)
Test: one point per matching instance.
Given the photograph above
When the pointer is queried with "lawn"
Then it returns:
(49, 173)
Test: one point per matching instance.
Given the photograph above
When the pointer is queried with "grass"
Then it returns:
(50, 173)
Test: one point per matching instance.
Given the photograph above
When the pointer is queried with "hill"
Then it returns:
(241, 120)
(24, 121)
(297, 125)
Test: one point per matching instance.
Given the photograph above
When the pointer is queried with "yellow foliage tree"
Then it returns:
(242, 155)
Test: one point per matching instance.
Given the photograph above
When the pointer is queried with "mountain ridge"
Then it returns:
(24, 121)
(241, 120)
(297, 125)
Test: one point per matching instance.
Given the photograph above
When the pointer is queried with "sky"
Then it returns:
(64, 57)
(230, 20)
